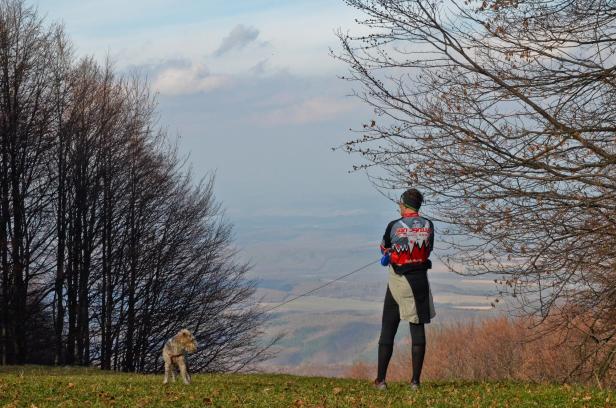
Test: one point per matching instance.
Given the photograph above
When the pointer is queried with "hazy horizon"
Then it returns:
(259, 103)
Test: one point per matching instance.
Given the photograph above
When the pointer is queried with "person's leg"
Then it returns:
(418, 349)
(389, 327)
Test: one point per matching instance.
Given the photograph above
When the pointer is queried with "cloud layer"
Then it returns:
(316, 109)
(238, 38)
(188, 79)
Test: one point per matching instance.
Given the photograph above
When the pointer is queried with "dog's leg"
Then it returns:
(167, 368)
(183, 371)
(173, 375)
(187, 373)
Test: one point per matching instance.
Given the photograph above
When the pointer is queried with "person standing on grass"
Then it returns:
(406, 247)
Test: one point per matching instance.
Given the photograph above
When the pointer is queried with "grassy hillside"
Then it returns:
(44, 387)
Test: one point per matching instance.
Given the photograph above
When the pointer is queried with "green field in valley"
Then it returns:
(74, 387)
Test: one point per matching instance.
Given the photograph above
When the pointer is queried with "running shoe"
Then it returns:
(379, 385)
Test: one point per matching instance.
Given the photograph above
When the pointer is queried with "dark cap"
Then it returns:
(411, 198)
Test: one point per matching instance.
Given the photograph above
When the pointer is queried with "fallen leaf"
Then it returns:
(144, 402)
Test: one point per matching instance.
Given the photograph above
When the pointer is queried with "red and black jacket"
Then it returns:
(409, 240)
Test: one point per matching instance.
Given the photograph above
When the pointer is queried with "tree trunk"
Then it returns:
(60, 254)
(5, 343)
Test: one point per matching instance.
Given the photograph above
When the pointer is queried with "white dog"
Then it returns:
(174, 354)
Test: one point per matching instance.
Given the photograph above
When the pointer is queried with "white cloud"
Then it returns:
(194, 78)
(294, 37)
(238, 38)
(312, 213)
(312, 110)
(260, 67)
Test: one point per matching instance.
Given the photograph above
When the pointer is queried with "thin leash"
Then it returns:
(322, 286)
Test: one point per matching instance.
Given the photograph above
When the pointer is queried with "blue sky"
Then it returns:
(253, 94)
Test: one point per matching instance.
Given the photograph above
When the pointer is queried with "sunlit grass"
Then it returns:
(77, 387)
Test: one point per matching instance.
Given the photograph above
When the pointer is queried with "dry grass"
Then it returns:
(75, 387)
(494, 349)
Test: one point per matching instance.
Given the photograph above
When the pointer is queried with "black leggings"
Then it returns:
(389, 327)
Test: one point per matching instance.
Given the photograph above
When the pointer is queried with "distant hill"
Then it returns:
(327, 332)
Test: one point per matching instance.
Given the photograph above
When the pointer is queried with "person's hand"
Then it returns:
(385, 258)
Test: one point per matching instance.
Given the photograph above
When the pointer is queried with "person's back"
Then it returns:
(410, 240)
(407, 244)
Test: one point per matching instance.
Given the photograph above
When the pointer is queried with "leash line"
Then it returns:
(321, 287)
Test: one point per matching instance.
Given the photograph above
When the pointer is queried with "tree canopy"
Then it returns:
(108, 244)
(504, 112)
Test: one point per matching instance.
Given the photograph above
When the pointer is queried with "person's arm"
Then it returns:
(386, 245)
(386, 242)
(431, 239)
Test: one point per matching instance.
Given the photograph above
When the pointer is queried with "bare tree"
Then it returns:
(504, 113)
(25, 125)
(108, 245)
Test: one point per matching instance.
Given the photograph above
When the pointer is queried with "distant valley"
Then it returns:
(326, 332)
